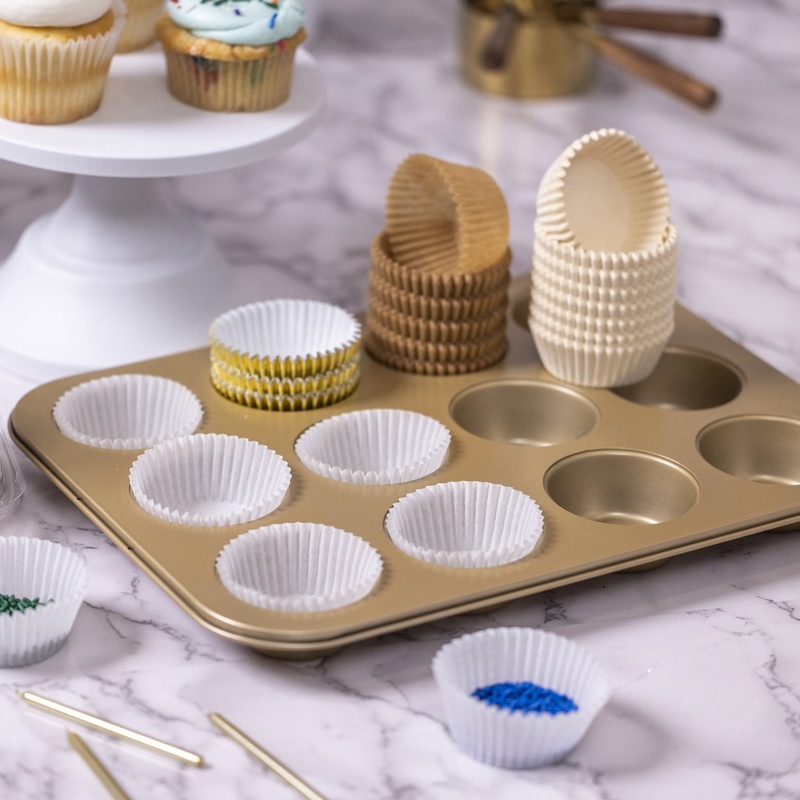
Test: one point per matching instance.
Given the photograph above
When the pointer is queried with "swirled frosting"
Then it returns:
(250, 22)
(52, 13)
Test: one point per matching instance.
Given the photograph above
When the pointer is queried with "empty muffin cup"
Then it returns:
(127, 412)
(568, 682)
(374, 446)
(208, 479)
(42, 586)
(299, 567)
(467, 524)
(285, 338)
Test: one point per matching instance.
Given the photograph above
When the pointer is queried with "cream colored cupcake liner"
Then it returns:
(375, 446)
(597, 365)
(465, 524)
(433, 351)
(245, 85)
(445, 286)
(435, 309)
(611, 336)
(513, 739)
(140, 24)
(385, 355)
(55, 579)
(445, 217)
(299, 567)
(50, 82)
(209, 479)
(286, 402)
(590, 311)
(12, 482)
(608, 318)
(604, 192)
(285, 339)
(280, 387)
(127, 412)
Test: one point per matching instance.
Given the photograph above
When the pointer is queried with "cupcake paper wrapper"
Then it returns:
(299, 567)
(35, 568)
(374, 446)
(285, 339)
(445, 286)
(55, 82)
(466, 524)
(511, 739)
(444, 217)
(604, 192)
(127, 412)
(12, 483)
(209, 479)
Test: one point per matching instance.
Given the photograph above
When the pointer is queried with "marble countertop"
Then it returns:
(701, 652)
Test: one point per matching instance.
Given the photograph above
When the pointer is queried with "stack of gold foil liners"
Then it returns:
(439, 274)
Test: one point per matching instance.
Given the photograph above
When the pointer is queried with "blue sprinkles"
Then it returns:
(525, 697)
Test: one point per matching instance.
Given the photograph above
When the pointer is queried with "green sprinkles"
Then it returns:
(525, 697)
(10, 603)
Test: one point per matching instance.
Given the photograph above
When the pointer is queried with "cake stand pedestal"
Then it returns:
(116, 273)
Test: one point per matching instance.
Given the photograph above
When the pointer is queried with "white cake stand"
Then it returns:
(116, 274)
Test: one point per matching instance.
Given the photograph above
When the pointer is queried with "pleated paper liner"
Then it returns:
(620, 336)
(378, 349)
(299, 567)
(127, 412)
(447, 285)
(435, 309)
(432, 331)
(286, 402)
(604, 192)
(375, 446)
(282, 387)
(444, 217)
(285, 338)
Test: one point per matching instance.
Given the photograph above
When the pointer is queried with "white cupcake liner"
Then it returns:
(634, 336)
(12, 483)
(596, 365)
(465, 524)
(58, 577)
(374, 446)
(208, 479)
(604, 192)
(299, 567)
(509, 739)
(285, 338)
(127, 412)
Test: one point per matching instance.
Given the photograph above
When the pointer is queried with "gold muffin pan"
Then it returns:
(705, 450)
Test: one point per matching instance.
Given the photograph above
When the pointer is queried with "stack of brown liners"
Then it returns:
(440, 271)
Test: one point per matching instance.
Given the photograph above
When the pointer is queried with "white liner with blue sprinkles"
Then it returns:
(563, 672)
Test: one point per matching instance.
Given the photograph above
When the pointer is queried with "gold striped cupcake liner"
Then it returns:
(285, 402)
(431, 331)
(285, 386)
(444, 217)
(449, 286)
(390, 358)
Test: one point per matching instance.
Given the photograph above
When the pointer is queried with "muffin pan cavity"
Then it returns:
(703, 451)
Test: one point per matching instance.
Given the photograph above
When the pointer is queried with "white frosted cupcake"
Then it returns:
(208, 479)
(540, 693)
(374, 446)
(56, 55)
(42, 586)
(468, 524)
(299, 567)
(127, 412)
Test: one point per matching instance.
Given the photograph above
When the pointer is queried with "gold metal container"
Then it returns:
(545, 57)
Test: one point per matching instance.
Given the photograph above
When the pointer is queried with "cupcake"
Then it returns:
(56, 56)
(140, 24)
(231, 55)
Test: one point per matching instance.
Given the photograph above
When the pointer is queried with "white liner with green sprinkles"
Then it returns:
(42, 586)
(568, 689)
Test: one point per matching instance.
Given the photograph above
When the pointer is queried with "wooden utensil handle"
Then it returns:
(683, 24)
(499, 42)
(652, 69)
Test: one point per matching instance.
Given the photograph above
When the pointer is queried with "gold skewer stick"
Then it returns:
(112, 729)
(264, 757)
(106, 778)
